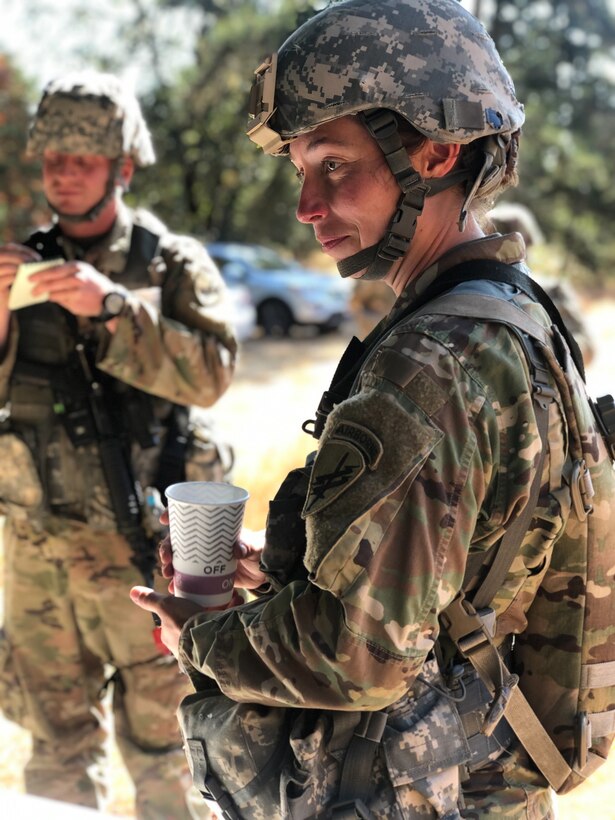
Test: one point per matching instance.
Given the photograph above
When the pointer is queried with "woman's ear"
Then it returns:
(435, 159)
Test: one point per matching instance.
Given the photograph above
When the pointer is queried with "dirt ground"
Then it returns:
(278, 385)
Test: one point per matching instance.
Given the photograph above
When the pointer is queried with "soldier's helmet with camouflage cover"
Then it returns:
(90, 112)
(429, 62)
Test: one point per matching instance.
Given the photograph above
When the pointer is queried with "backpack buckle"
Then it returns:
(467, 628)
(581, 489)
(582, 738)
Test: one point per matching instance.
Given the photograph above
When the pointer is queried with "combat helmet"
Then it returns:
(90, 112)
(429, 62)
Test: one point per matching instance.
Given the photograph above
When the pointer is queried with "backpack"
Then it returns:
(560, 700)
(561, 704)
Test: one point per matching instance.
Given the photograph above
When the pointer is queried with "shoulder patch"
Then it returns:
(338, 465)
(364, 439)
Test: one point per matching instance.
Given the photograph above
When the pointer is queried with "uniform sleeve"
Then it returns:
(185, 350)
(393, 505)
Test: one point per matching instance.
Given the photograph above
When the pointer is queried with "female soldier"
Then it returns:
(403, 126)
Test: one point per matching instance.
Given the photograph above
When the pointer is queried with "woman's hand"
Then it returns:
(247, 551)
(173, 613)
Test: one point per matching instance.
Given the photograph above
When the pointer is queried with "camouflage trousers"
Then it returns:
(70, 626)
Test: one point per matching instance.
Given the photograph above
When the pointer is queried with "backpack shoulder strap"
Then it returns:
(478, 306)
(467, 623)
(478, 269)
(495, 271)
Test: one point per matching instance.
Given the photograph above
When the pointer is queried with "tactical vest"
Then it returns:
(47, 379)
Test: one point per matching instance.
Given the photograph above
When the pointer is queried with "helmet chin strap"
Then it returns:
(378, 258)
(92, 213)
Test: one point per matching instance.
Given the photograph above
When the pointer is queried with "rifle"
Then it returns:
(125, 493)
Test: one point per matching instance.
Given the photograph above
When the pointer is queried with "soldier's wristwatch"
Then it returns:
(112, 305)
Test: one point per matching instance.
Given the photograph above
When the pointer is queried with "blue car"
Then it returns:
(284, 293)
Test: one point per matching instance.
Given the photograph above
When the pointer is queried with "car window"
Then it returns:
(256, 256)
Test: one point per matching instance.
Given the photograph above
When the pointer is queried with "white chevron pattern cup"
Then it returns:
(205, 519)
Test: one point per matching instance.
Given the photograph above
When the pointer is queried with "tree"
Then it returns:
(562, 58)
(210, 179)
(21, 200)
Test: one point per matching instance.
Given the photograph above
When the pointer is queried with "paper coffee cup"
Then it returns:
(205, 519)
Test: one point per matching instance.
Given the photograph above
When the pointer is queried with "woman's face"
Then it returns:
(348, 193)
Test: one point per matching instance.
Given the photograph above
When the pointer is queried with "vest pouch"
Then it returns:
(425, 748)
(285, 542)
(236, 751)
(417, 766)
(20, 485)
(207, 458)
(310, 781)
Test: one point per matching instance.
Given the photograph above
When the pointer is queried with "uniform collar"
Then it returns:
(108, 254)
(508, 248)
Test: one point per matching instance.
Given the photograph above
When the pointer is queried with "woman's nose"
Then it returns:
(313, 203)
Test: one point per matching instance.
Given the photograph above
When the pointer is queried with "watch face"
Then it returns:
(113, 303)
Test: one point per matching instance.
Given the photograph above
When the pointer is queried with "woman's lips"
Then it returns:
(329, 243)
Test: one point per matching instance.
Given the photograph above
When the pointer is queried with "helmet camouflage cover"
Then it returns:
(90, 113)
(431, 61)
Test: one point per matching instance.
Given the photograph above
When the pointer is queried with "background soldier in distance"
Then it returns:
(95, 382)
(512, 216)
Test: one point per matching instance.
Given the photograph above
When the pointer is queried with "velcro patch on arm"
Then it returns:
(371, 443)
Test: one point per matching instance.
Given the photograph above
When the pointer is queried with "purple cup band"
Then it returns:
(203, 584)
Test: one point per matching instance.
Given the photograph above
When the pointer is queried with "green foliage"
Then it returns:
(21, 200)
(562, 58)
(210, 180)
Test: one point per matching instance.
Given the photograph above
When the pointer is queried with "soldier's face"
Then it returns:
(73, 183)
(348, 193)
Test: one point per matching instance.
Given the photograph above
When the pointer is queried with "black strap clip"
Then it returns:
(604, 411)
(314, 427)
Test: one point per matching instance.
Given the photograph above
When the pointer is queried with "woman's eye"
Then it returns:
(330, 165)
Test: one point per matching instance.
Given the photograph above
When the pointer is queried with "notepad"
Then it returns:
(21, 289)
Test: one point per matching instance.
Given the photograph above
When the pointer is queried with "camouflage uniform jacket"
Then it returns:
(430, 457)
(173, 342)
